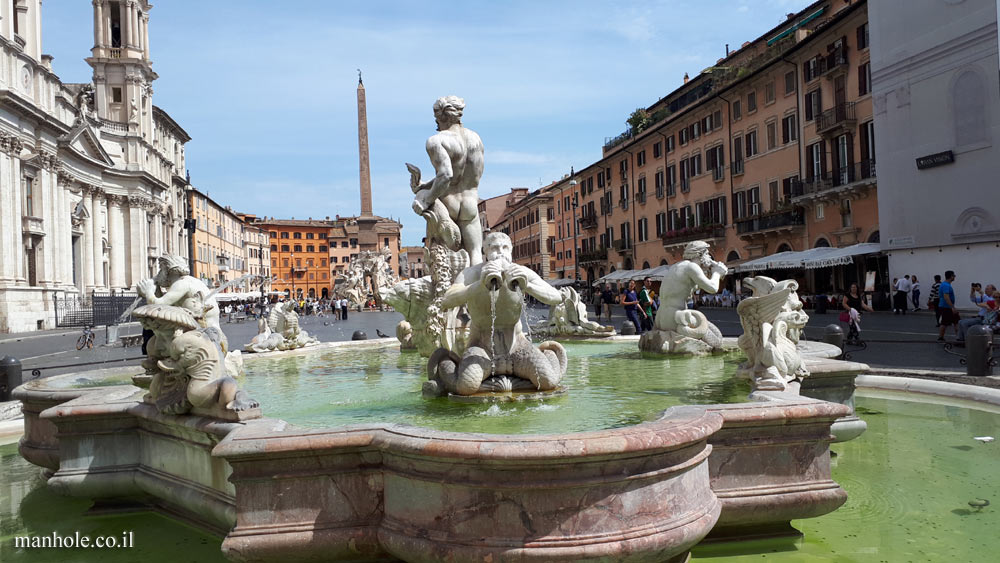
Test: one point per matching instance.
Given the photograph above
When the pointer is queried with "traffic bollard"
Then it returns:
(833, 334)
(979, 344)
(10, 376)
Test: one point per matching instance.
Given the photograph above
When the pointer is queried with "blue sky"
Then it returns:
(267, 89)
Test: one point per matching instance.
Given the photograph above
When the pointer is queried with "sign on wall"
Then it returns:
(936, 159)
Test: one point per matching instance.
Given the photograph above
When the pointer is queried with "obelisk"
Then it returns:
(367, 237)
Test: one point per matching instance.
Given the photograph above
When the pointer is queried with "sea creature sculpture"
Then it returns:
(281, 332)
(772, 320)
(569, 318)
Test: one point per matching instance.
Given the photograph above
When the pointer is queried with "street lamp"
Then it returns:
(576, 251)
(294, 297)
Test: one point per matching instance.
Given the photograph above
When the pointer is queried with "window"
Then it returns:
(717, 119)
(696, 164)
(706, 123)
(815, 161)
(310, 263)
(772, 135)
(116, 93)
(661, 224)
(274, 248)
(274, 234)
(298, 248)
(343, 244)
(769, 93)
(658, 180)
(322, 235)
(672, 179)
(864, 78)
(752, 102)
(670, 144)
(863, 36)
(845, 214)
(28, 183)
(751, 143)
(296, 235)
(737, 112)
(310, 235)
(641, 188)
(711, 212)
(772, 189)
(657, 150)
(696, 130)
(685, 175)
(814, 105)
(714, 161)
(867, 136)
(549, 214)
(284, 234)
(285, 262)
(600, 179)
(820, 212)
(737, 155)
(789, 82)
(284, 248)
(322, 248)
(333, 260)
(682, 135)
(310, 248)
(789, 129)
(810, 69)
(640, 158)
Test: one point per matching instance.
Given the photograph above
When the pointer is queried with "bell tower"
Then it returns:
(123, 71)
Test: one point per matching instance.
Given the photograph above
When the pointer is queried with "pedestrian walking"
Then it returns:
(901, 296)
(607, 299)
(946, 305)
(915, 292)
(932, 299)
(647, 303)
(343, 309)
(853, 303)
(632, 311)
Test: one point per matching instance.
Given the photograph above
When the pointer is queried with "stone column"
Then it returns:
(86, 241)
(145, 33)
(137, 240)
(125, 23)
(136, 38)
(10, 219)
(98, 23)
(96, 236)
(116, 241)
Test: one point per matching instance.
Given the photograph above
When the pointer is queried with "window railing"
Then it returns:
(839, 114)
(115, 53)
(736, 167)
(623, 203)
(598, 255)
(685, 185)
(718, 173)
(659, 192)
(589, 222)
(688, 234)
(836, 59)
(780, 219)
(640, 197)
(622, 245)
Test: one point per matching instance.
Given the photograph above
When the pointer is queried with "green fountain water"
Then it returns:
(610, 385)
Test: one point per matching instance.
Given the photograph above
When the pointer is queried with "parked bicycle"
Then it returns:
(86, 339)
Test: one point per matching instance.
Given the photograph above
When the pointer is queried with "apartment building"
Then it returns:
(491, 210)
(300, 256)
(530, 224)
(770, 150)
(412, 262)
(217, 242)
(256, 250)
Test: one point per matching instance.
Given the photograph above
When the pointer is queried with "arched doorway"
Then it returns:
(663, 261)
(645, 265)
(312, 293)
(628, 263)
(590, 276)
(822, 243)
(733, 256)
(325, 293)
(288, 294)
(874, 237)
(600, 273)
(785, 247)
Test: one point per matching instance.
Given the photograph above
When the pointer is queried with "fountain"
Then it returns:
(568, 318)
(600, 473)
(280, 331)
(372, 266)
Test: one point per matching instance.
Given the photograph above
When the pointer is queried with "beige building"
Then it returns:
(529, 222)
(412, 263)
(93, 175)
(217, 243)
(256, 251)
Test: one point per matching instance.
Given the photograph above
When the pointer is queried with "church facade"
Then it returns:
(92, 176)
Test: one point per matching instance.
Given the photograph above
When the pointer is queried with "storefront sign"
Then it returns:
(937, 159)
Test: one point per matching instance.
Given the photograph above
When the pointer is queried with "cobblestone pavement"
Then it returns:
(894, 341)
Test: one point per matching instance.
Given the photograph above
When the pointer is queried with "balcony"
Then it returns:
(736, 167)
(623, 245)
(659, 192)
(623, 203)
(835, 61)
(640, 197)
(671, 190)
(688, 234)
(858, 175)
(32, 226)
(778, 221)
(115, 53)
(833, 120)
(685, 185)
(588, 222)
(718, 173)
(592, 256)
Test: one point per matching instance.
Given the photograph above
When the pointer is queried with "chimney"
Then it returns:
(686, 78)
(727, 49)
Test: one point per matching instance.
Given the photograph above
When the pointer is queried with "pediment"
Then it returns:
(84, 141)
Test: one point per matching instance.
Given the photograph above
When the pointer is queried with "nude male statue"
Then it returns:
(697, 271)
(497, 286)
(457, 156)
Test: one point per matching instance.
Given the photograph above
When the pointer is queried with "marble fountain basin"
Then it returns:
(640, 490)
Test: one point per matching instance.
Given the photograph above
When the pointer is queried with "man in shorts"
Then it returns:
(946, 305)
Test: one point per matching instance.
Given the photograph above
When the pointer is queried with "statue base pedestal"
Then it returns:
(670, 342)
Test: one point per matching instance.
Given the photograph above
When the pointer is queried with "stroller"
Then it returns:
(853, 321)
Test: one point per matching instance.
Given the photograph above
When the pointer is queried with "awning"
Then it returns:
(820, 257)
(842, 256)
(792, 29)
(561, 282)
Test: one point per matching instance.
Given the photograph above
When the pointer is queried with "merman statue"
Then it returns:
(499, 357)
